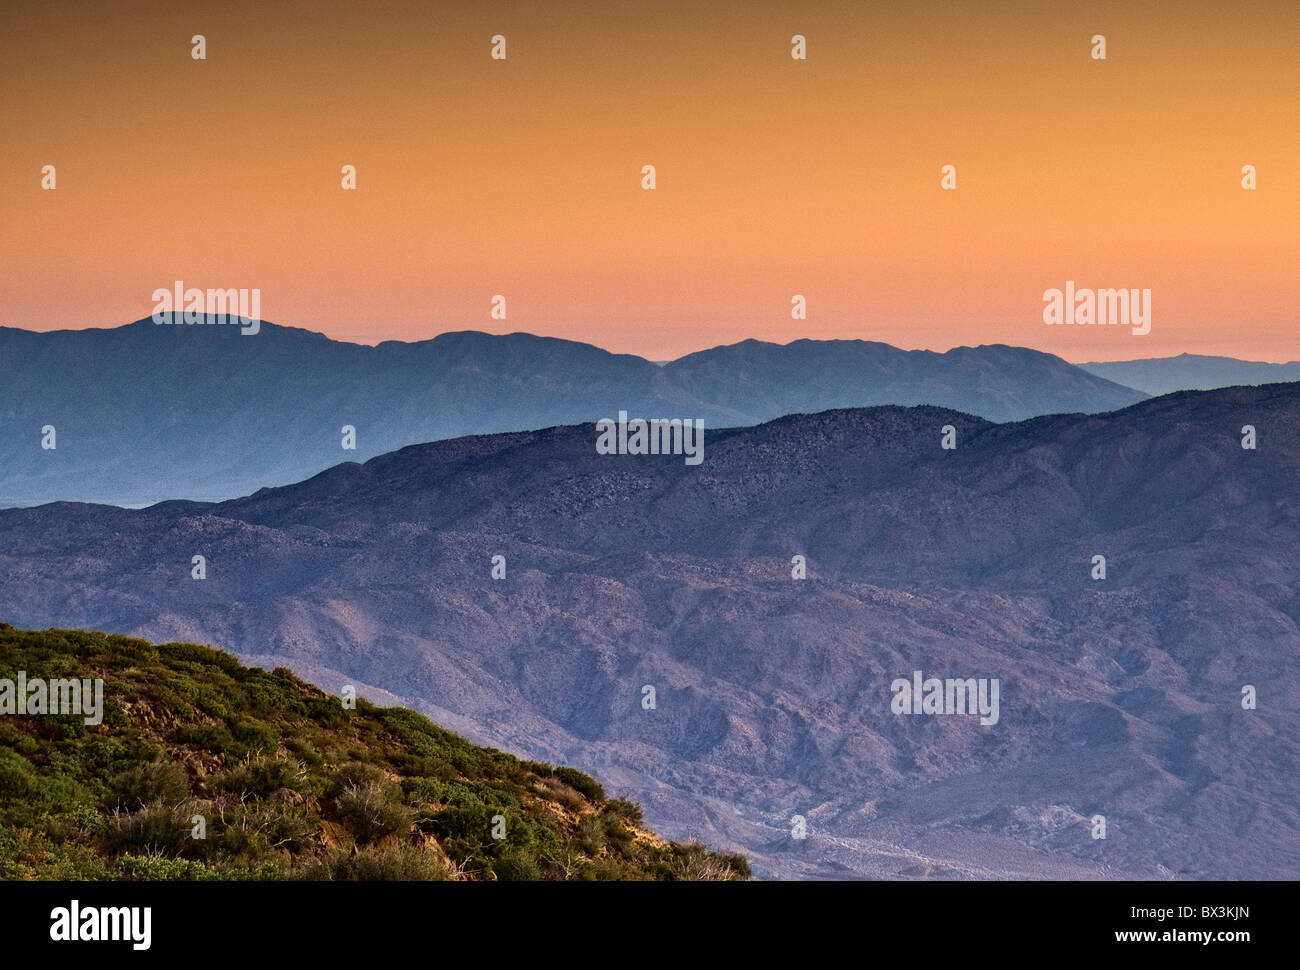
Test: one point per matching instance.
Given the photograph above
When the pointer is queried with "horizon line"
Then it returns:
(705, 349)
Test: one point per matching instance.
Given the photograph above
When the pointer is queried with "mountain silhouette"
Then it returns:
(1192, 372)
(143, 413)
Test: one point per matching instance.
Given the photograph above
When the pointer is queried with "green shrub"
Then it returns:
(159, 868)
(17, 778)
(352, 774)
(159, 781)
(255, 736)
(423, 789)
(372, 810)
(260, 776)
(583, 783)
(591, 834)
(155, 827)
(254, 830)
(516, 867)
(406, 863)
(213, 738)
(629, 812)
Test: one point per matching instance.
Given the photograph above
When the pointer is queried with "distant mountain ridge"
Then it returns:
(1192, 372)
(144, 413)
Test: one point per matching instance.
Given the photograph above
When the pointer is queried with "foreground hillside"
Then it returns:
(288, 783)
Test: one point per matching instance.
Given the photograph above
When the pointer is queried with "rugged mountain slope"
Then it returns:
(1119, 697)
(146, 412)
(1161, 375)
(197, 767)
(759, 381)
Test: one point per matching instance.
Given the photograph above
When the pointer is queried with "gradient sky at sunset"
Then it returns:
(776, 176)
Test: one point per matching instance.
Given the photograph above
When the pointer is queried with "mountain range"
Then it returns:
(1191, 372)
(772, 696)
(144, 413)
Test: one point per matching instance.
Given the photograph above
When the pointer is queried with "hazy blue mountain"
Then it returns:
(1119, 696)
(1191, 372)
(146, 412)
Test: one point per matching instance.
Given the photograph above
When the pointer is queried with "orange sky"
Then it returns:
(776, 177)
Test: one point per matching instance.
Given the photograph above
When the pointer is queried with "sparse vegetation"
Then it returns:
(283, 783)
